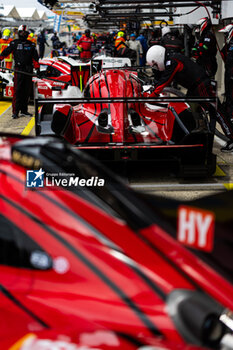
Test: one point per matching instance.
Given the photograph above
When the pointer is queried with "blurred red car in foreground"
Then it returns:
(107, 259)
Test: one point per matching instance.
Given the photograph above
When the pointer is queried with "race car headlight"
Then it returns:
(104, 124)
(103, 119)
(136, 120)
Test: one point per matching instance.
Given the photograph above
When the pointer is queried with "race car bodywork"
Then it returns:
(133, 130)
(83, 257)
(56, 74)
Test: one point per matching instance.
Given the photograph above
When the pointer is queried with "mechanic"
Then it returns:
(205, 49)
(171, 41)
(142, 39)
(55, 40)
(41, 42)
(135, 45)
(192, 77)
(32, 38)
(25, 57)
(227, 54)
(155, 38)
(122, 49)
(4, 43)
(84, 45)
(119, 43)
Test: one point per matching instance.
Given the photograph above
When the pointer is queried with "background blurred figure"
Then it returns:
(4, 43)
(189, 39)
(171, 40)
(155, 38)
(41, 42)
(135, 45)
(119, 43)
(143, 41)
(205, 49)
(84, 45)
(32, 38)
(55, 40)
(227, 54)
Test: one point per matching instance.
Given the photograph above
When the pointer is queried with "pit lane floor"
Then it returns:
(145, 180)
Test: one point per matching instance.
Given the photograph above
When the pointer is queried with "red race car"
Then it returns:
(129, 128)
(56, 74)
(94, 252)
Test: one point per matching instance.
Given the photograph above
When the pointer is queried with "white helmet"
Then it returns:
(23, 28)
(202, 24)
(228, 30)
(165, 30)
(155, 57)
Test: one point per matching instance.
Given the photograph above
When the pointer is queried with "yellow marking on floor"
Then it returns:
(228, 186)
(28, 128)
(219, 172)
(4, 105)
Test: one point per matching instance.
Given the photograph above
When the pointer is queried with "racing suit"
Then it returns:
(193, 77)
(3, 45)
(205, 53)
(172, 43)
(25, 57)
(85, 43)
(227, 54)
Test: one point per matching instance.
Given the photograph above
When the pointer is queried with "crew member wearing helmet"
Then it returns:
(205, 50)
(32, 38)
(25, 57)
(84, 45)
(120, 43)
(227, 54)
(191, 76)
(4, 42)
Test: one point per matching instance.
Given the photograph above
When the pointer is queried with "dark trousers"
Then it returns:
(217, 113)
(41, 51)
(229, 92)
(22, 89)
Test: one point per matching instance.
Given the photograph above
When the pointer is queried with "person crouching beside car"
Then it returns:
(191, 76)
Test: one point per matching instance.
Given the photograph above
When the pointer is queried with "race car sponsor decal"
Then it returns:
(196, 228)
(9, 91)
(31, 342)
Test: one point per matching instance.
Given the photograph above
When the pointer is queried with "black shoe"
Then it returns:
(228, 147)
(26, 114)
(15, 116)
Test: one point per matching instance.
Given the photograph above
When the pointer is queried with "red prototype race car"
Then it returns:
(107, 258)
(113, 122)
(55, 75)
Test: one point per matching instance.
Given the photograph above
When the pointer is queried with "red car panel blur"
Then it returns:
(73, 258)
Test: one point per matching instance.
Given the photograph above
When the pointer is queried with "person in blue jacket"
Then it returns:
(144, 44)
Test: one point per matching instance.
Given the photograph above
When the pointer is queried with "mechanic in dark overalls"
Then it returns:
(171, 41)
(25, 57)
(205, 50)
(227, 54)
(192, 77)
